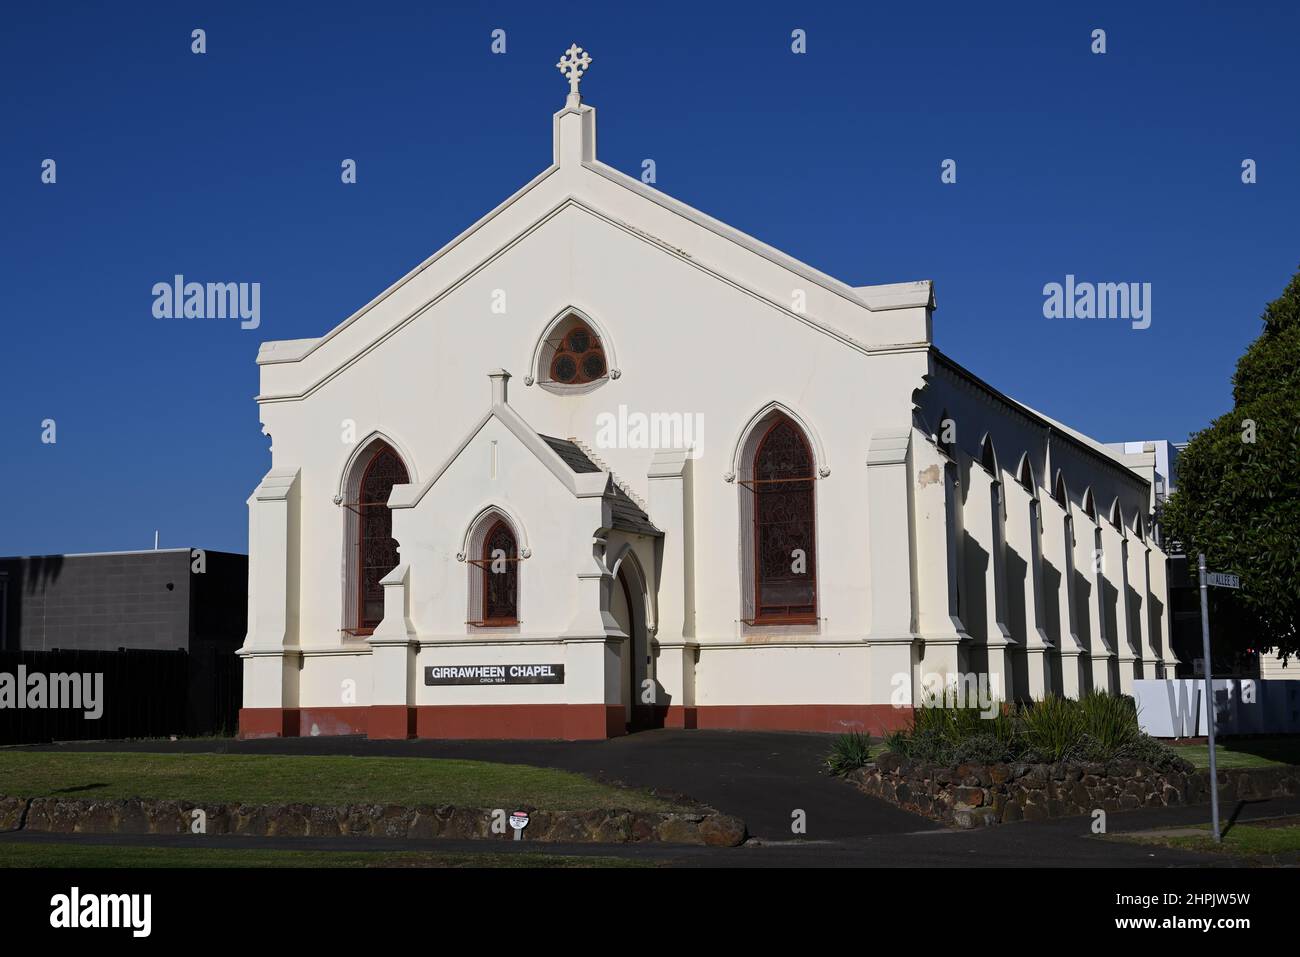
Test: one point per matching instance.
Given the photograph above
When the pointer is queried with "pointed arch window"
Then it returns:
(579, 355)
(494, 574)
(1060, 495)
(374, 550)
(783, 526)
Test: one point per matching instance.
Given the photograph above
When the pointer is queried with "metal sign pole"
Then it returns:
(1209, 696)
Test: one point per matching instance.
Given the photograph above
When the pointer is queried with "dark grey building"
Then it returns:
(166, 600)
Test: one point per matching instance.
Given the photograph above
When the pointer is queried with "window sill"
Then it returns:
(784, 620)
(494, 623)
(571, 388)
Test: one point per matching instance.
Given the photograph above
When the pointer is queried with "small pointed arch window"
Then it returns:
(1059, 493)
(577, 354)
(494, 574)
(1089, 506)
(989, 458)
(1025, 475)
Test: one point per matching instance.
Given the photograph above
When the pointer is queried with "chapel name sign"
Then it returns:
(494, 675)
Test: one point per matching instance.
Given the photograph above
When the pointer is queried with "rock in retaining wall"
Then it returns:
(971, 795)
(139, 816)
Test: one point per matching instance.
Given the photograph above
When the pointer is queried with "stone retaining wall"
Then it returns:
(972, 795)
(138, 816)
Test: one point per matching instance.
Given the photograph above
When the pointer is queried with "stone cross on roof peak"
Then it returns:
(574, 65)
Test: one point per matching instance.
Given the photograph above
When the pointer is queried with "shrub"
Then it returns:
(1097, 727)
(1005, 726)
(929, 745)
(1110, 722)
(1052, 727)
(848, 752)
(896, 741)
(954, 725)
(981, 749)
(1147, 750)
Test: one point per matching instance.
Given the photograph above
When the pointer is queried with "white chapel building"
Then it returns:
(509, 497)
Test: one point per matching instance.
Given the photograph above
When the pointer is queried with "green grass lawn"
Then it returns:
(272, 779)
(102, 856)
(1265, 841)
(1244, 752)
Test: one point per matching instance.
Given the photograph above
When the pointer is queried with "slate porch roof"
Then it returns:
(628, 516)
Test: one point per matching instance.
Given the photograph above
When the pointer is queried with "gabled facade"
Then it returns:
(721, 489)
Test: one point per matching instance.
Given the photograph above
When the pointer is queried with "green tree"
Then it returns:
(1238, 487)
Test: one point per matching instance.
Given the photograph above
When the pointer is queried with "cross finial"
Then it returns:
(573, 65)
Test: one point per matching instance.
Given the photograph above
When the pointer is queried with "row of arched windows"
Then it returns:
(778, 535)
(777, 520)
(494, 556)
(1025, 476)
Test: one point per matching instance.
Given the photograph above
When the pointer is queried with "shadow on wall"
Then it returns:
(975, 605)
(1052, 620)
(1158, 637)
(1147, 669)
(23, 577)
(975, 608)
(1110, 608)
(1018, 621)
(1083, 607)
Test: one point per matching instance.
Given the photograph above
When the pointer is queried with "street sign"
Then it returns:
(1223, 580)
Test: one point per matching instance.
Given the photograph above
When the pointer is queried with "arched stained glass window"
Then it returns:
(376, 549)
(785, 573)
(499, 565)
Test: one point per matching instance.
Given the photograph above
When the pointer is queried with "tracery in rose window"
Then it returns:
(579, 357)
(785, 574)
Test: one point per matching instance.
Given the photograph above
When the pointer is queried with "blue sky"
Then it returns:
(1122, 167)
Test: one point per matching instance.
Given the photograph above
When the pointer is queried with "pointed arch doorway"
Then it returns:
(628, 609)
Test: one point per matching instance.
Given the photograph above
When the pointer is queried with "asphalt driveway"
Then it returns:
(762, 777)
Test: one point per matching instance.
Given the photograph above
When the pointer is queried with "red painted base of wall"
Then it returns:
(837, 718)
(268, 722)
(391, 721)
(567, 722)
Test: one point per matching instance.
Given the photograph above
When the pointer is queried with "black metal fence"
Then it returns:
(46, 695)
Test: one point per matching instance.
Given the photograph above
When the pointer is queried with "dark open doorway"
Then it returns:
(640, 714)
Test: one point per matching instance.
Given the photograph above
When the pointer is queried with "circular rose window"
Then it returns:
(579, 357)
